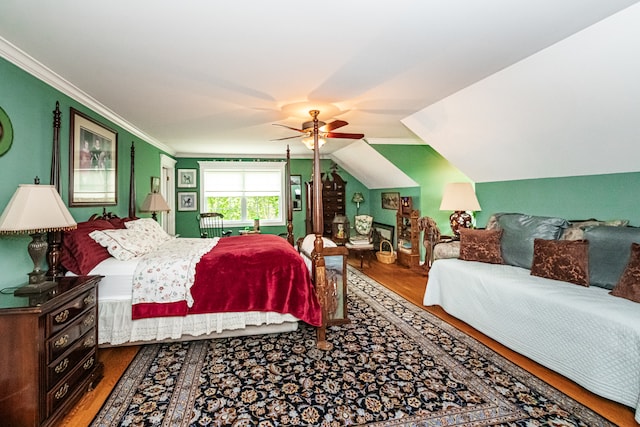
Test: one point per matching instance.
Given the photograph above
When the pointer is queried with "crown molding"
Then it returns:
(32, 66)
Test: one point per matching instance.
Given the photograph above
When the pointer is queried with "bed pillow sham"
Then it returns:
(519, 232)
(150, 227)
(609, 250)
(80, 253)
(124, 244)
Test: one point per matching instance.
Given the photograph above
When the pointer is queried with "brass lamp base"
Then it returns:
(458, 220)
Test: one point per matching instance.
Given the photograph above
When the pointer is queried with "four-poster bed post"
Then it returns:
(319, 270)
(55, 237)
(290, 238)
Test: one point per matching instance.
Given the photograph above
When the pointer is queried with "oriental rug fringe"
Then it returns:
(394, 365)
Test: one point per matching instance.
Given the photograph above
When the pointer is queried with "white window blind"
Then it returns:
(243, 191)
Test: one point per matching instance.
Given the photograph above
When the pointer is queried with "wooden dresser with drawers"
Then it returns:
(48, 351)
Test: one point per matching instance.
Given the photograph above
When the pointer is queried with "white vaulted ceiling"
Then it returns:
(205, 77)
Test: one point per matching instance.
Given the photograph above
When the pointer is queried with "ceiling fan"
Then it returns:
(325, 130)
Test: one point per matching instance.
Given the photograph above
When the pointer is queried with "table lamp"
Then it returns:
(35, 210)
(459, 197)
(154, 202)
(357, 199)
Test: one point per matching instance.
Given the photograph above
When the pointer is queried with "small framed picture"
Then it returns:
(155, 184)
(390, 200)
(386, 231)
(186, 178)
(187, 201)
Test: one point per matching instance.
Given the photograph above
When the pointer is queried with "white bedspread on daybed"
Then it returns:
(115, 326)
(583, 333)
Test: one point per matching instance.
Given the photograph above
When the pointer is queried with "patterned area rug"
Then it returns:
(393, 365)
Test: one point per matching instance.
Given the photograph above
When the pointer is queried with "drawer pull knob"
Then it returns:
(62, 341)
(62, 316)
(62, 366)
(90, 341)
(89, 300)
(62, 391)
(88, 364)
(89, 320)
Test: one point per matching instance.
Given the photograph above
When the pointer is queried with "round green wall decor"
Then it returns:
(6, 132)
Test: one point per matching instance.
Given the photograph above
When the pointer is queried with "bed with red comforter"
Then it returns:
(234, 285)
(258, 272)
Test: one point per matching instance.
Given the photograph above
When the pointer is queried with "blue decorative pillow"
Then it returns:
(609, 251)
(520, 230)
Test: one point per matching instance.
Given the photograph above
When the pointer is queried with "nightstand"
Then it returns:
(49, 351)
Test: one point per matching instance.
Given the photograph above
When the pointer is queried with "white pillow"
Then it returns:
(150, 227)
(307, 244)
(124, 244)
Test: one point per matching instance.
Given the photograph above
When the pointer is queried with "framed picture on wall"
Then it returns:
(386, 231)
(93, 174)
(155, 184)
(186, 178)
(187, 201)
(296, 192)
(390, 200)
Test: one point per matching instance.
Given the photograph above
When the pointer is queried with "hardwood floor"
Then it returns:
(410, 285)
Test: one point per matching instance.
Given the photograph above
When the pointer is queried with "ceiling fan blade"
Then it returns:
(287, 137)
(289, 127)
(333, 125)
(344, 135)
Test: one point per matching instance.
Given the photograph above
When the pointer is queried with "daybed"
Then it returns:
(524, 283)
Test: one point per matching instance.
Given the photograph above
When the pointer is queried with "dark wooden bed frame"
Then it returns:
(325, 291)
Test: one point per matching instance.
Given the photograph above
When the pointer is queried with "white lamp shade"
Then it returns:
(459, 196)
(154, 202)
(36, 209)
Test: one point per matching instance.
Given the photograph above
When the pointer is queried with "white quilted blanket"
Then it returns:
(583, 333)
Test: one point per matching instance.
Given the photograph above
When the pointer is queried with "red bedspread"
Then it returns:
(259, 272)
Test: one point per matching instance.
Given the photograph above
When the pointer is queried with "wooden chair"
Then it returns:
(212, 225)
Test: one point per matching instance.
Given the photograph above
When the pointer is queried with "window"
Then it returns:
(243, 191)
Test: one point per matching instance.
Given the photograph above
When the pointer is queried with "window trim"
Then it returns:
(205, 166)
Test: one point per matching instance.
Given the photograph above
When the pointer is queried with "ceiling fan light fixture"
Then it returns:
(309, 125)
(308, 142)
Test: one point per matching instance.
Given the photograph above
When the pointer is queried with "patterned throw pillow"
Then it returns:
(565, 260)
(480, 245)
(629, 284)
(363, 224)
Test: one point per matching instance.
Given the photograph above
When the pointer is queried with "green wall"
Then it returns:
(29, 103)
(610, 196)
(431, 171)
